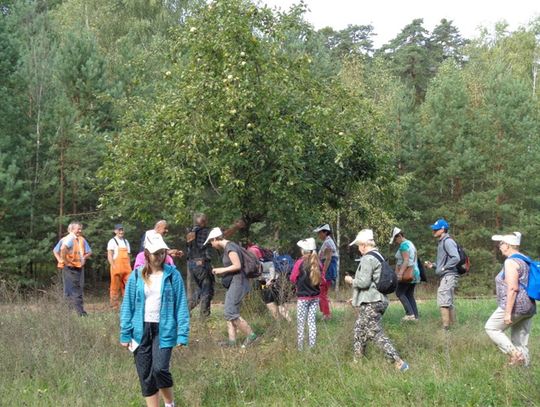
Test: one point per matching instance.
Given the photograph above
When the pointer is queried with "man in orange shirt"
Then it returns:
(73, 254)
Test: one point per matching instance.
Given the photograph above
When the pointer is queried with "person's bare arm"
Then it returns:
(511, 278)
(235, 266)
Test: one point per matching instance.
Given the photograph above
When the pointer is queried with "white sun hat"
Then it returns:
(215, 232)
(307, 245)
(154, 242)
(513, 239)
(364, 236)
(396, 231)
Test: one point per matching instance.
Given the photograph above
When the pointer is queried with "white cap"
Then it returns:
(364, 236)
(513, 239)
(307, 245)
(320, 228)
(154, 242)
(215, 232)
(396, 231)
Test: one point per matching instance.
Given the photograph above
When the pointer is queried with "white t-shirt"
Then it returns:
(113, 245)
(152, 295)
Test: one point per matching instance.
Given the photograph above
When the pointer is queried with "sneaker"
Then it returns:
(227, 344)
(517, 359)
(409, 318)
(249, 340)
(404, 366)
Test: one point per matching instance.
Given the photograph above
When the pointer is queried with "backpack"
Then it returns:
(533, 286)
(268, 255)
(387, 283)
(251, 266)
(464, 264)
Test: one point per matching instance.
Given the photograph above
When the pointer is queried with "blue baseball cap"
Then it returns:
(440, 224)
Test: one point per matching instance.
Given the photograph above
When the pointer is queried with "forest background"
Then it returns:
(134, 110)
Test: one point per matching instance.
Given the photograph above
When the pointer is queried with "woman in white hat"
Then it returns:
(306, 275)
(152, 327)
(371, 303)
(515, 308)
(237, 285)
(408, 273)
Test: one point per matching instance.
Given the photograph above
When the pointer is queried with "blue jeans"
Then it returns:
(405, 293)
(73, 278)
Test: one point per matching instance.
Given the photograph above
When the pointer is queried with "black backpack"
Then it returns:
(387, 283)
(251, 265)
(464, 264)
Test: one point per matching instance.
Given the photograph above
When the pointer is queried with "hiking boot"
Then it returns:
(249, 340)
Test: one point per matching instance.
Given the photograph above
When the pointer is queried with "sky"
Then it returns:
(388, 17)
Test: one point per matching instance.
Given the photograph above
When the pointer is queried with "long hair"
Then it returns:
(314, 268)
(146, 271)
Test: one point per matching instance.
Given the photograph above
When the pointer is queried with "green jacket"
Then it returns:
(364, 289)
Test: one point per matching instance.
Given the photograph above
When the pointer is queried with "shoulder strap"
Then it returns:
(521, 257)
(377, 255)
(116, 241)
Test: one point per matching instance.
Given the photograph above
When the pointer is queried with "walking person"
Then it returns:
(237, 285)
(370, 303)
(514, 307)
(445, 268)
(328, 255)
(154, 318)
(74, 251)
(118, 256)
(408, 273)
(198, 260)
(307, 277)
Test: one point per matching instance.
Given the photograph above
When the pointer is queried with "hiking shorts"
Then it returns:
(445, 292)
(235, 294)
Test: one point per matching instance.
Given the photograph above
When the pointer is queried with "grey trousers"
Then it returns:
(73, 287)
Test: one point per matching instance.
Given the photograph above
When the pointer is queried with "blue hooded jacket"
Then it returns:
(174, 313)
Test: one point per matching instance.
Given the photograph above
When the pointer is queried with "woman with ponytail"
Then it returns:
(307, 277)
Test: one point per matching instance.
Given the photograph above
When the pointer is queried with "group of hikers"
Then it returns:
(155, 311)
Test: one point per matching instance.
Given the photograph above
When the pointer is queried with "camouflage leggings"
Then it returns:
(368, 327)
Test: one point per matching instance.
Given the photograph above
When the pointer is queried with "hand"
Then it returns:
(508, 319)
(175, 253)
(428, 264)
(348, 279)
(216, 271)
(190, 237)
(124, 344)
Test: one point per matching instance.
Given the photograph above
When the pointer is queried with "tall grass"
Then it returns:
(50, 357)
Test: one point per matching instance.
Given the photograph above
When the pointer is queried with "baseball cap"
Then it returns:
(513, 239)
(307, 245)
(365, 235)
(320, 228)
(215, 232)
(118, 226)
(154, 242)
(440, 224)
(396, 231)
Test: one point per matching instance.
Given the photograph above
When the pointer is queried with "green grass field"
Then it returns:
(52, 358)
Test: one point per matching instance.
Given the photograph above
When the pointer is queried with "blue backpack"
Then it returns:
(533, 287)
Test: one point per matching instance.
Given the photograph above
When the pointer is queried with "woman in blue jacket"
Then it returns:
(154, 318)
